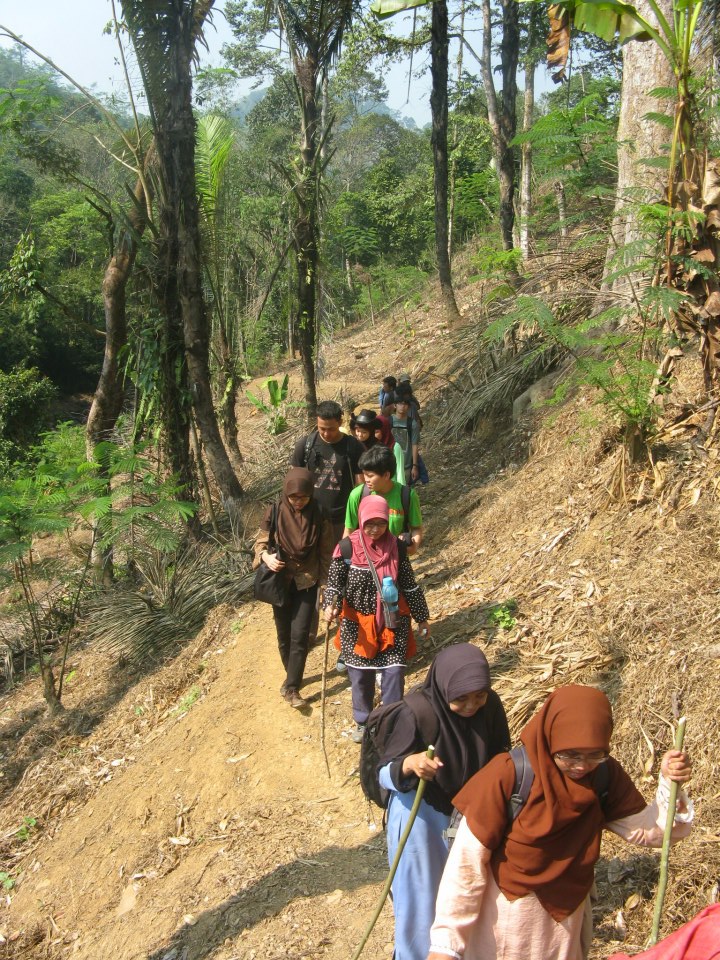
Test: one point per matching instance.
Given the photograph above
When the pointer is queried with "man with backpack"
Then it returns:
(332, 457)
(406, 430)
(378, 469)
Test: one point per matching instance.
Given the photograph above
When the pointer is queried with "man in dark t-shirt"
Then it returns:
(332, 457)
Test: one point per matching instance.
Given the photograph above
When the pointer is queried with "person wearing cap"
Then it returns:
(370, 644)
(363, 427)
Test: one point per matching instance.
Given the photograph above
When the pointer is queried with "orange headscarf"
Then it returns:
(552, 847)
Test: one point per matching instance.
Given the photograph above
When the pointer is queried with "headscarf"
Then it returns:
(553, 845)
(297, 531)
(464, 744)
(383, 552)
(386, 435)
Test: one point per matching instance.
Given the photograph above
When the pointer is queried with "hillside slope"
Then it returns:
(196, 819)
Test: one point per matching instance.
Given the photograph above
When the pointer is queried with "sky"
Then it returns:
(70, 32)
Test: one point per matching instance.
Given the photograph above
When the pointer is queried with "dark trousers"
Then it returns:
(362, 683)
(292, 623)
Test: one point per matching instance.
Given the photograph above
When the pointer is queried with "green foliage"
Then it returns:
(25, 831)
(503, 615)
(26, 400)
(191, 697)
(7, 881)
(615, 351)
(493, 263)
(276, 410)
(61, 492)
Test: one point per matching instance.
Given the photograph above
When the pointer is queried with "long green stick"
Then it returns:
(665, 855)
(396, 860)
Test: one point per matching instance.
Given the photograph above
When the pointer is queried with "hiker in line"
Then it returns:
(385, 397)
(518, 888)
(406, 431)
(405, 518)
(302, 545)
(404, 389)
(470, 727)
(369, 643)
(383, 433)
(403, 393)
(332, 457)
(363, 426)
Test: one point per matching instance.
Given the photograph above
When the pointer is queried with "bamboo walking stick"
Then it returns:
(396, 860)
(322, 698)
(665, 855)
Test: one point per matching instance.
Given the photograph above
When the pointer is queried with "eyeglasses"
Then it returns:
(573, 759)
(375, 524)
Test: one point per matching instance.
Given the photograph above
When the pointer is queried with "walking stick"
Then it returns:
(665, 855)
(396, 860)
(322, 698)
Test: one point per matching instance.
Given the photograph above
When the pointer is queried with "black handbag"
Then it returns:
(270, 587)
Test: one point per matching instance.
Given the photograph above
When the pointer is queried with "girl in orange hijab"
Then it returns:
(517, 889)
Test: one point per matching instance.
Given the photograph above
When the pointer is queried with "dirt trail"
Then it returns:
(223, 829)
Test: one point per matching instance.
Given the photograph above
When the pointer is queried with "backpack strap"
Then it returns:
(309, 444)
(601, 784)
(427, 721)
(405, 494)
(346, 549)
(524, 776)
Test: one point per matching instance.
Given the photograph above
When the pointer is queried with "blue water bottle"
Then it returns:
(389, 593)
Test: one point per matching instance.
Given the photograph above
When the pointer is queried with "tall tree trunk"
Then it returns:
(305, 231)
(439, 107)
(639, 138)
(109, 393)
(501, 111)
(179, 168)
(530, 65)
(453, 161)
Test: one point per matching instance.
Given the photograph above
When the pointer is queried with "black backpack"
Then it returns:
(380, 724)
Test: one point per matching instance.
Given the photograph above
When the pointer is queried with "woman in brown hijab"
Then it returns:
(517, 889)
(301, 548)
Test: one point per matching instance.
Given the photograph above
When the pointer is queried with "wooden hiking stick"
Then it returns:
(665, 855)
(322, 698)
(396, 860)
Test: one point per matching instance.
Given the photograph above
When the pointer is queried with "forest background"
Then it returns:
(160, 250)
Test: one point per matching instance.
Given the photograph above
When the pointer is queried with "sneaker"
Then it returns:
(357, 734)
(340, 666)
(294, 699)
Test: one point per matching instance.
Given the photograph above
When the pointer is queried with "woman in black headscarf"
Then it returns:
(301, 547)
(470, 727)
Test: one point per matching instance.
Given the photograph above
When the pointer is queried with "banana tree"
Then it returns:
(691, 205)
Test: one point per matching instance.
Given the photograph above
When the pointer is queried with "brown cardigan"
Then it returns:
(314, 568)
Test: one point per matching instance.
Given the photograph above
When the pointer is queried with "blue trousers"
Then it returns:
(362, 685)
(418, 875)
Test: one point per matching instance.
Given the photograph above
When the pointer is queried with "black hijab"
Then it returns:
(464, 744)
